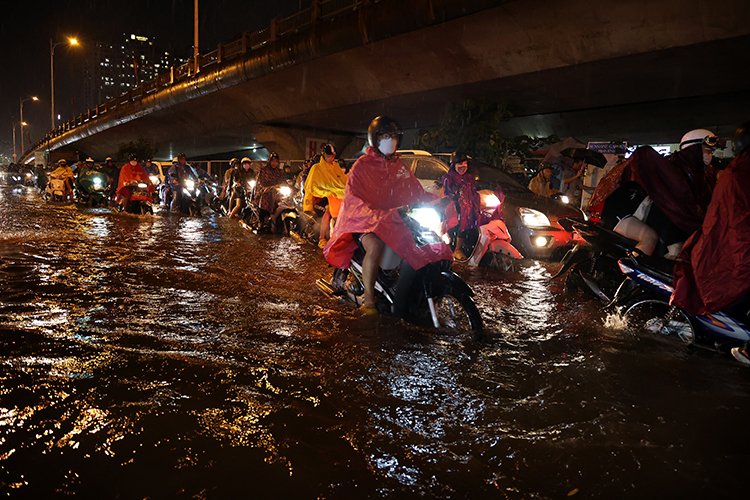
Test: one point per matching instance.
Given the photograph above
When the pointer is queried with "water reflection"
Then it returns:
(186, 356)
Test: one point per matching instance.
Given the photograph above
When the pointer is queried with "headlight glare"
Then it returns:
(533, 218)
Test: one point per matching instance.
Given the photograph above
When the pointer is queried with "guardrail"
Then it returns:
(247, 43)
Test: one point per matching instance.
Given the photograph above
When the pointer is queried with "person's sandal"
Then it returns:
(741, 355)
(368, 311)
(322, 243)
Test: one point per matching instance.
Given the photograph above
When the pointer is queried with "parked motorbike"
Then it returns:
(643, 301)
(434, 296)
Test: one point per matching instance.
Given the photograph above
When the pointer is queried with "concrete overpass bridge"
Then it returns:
(644, 71)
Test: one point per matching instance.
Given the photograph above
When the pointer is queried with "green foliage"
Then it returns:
(142, 148)
(474, 127)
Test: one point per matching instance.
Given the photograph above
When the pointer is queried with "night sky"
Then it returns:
(27, 26)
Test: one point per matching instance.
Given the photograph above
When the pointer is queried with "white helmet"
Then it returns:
(699, 136)
(245, 160)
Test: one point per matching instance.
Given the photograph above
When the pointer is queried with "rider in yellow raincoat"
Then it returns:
(325, 180)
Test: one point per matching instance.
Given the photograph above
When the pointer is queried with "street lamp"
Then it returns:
(20, 106)
(71, 41)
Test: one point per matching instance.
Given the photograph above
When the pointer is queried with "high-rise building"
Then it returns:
(116, 68)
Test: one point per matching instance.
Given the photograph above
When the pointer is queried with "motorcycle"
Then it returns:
(140, 200)
(56, 189)
(432, 296)
(591, 265)
(643, 301)
(93, 188)
(28, 178)
(156, 181)
(490, 244)
(284, 218)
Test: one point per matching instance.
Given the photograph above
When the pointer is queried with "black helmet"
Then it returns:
(233, 162)
(382, 125)
(132, 156)
(182, 155)
(328, 149)
(741, 139)
(273, 156)
(458, 157)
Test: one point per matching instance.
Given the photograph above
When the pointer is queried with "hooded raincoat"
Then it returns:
(376, 188)
(325, 180)
(713, 270)
(133, 173)
(461, 189)
(676, 184)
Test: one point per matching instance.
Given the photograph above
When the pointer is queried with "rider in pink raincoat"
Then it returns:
(378, 185)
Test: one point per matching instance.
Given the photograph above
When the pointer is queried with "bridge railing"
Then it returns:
(248, 42)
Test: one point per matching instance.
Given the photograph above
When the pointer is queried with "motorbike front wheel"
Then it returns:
(454, 311)
(657, 316)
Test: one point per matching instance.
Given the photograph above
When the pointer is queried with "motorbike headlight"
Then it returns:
(533, 218)
(564, 199)
(427, 217)
(190, 184)
(154, 179)
(97, 182)
(142, 185)
(285, 191)
(251, 184)
(491, 201)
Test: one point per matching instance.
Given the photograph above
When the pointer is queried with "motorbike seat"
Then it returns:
(604, 239)
(658, 267)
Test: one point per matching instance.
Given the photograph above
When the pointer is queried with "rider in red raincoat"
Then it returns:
(377, 186)
(130, 174)
(713, 271)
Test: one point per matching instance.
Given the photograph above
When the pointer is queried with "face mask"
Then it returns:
(133, 163)
(387, 146)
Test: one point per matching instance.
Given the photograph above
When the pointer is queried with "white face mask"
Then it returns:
(387, 146)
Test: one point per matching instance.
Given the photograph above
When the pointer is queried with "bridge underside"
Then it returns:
(552, 78)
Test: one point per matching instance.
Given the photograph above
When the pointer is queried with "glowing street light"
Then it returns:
(20, 106)
(72, 42)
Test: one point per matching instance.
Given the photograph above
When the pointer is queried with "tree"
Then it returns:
(474, 127)
(142, 148)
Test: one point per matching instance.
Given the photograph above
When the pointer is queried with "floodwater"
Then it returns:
(168, 356)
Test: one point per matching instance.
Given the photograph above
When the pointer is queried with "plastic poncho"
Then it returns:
(461, 189)
(325, 180)
(133, 173)
(713, 270)
(676, 184)
(375, 189)
(62, 172)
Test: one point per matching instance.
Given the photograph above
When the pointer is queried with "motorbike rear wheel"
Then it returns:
(657, 316)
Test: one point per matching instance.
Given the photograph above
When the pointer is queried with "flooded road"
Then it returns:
(168, 356)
